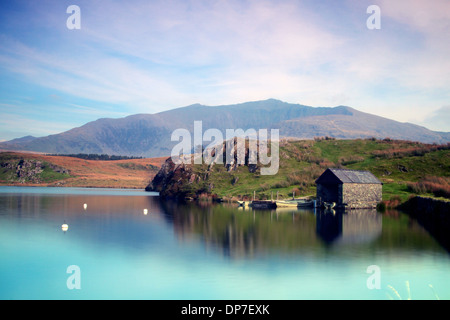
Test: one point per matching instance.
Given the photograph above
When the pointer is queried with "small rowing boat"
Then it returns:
(329, 205)
(245, 203)
(299, 203)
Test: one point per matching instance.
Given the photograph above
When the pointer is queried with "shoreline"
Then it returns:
(433, 214)
(66, 186)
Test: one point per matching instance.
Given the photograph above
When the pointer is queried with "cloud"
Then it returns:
(168, 53)
(16, 126)
(418, 33)
(439, 119)
(147, 56)
(95, 77)
(206, 32)
(431, 16)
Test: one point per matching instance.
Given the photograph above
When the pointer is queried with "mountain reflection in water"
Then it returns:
(227, 229)
(132, 244)
(354, 226)
(240, 232)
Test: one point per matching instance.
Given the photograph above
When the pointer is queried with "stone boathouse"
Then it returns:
(349, 188)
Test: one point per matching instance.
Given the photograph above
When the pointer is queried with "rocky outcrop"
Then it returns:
(187, 180)
(171, 180)
(28, 171)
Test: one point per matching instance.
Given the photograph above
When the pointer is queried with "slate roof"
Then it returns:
(348, 176)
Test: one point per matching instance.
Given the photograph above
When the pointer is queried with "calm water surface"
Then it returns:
(190, 251)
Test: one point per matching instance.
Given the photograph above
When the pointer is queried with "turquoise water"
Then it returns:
(174, 251)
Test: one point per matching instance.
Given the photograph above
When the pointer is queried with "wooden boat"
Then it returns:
(299, 203)
(287, 203)
(264, 204)
(305, 204)
(329, 205)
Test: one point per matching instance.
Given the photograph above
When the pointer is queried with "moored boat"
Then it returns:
(286, 203)
(329, 205)
(300, 203)
(305, 203)
(263, 204)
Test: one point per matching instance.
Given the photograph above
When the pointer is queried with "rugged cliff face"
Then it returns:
(171, 180)
(183, 180)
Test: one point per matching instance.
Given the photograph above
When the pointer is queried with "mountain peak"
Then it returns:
(22, 139)
(149, 135)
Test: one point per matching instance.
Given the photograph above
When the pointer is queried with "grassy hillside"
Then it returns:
(402, 166)
(42, 170)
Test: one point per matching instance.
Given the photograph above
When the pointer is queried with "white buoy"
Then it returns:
(65, 227)
(85, 206)
(145, 211)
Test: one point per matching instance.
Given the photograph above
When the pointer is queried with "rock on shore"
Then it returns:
(182, 180)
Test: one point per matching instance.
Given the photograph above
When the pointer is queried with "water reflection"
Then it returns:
(145, 222)
(349, 227)
(117, 221)
(199, 250)
(241, 232)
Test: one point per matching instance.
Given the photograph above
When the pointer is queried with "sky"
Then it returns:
(137, 56)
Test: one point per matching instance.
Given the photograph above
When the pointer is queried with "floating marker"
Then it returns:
(65, 227)
(85, 206)
(145, 211)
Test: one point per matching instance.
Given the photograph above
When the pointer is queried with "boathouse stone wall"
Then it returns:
(351, 195)
(356, 195)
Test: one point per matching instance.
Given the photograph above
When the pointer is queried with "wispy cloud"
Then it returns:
(439, 119)
(16, 126)
(148, 56)
(93, 76)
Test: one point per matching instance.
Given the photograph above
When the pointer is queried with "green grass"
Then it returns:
(136, 166)
(391, 190)
(5, 174)
(49, 175)
(335, 150)
(417, 167)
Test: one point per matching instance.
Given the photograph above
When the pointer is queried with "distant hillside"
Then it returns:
(404, 168)
(27, 169)
(148, 135)
(354, 124)
(17, 144)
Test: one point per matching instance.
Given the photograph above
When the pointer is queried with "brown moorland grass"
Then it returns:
(439, 186)
(128, 173)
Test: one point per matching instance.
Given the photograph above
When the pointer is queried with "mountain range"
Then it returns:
(149, 135)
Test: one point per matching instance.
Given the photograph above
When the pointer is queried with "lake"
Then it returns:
(128, 244)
